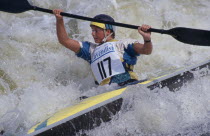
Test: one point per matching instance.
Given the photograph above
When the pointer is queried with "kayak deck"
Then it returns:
(92, 111)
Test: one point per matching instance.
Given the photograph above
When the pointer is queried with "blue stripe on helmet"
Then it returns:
(108, 26)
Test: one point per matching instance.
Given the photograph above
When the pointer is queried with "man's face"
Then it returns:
(98, 34)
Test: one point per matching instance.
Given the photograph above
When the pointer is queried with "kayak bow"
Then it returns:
(91, 112)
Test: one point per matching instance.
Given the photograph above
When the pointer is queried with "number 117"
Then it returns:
(101, 68)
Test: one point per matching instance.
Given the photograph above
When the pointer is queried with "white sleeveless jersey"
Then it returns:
(107, 59)
(106, 62)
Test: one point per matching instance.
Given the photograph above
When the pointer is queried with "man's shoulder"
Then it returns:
(127, 41)
(87, 43)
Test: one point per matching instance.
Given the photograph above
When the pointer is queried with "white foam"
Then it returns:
(48, 75)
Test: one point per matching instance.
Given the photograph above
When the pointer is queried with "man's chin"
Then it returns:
(97, 41)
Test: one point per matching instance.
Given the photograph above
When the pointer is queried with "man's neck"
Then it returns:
(109, 40)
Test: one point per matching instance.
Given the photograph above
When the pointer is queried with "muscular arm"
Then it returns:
(62, 34)
(145, 48)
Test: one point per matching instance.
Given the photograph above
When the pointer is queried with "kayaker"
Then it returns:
(111, 60)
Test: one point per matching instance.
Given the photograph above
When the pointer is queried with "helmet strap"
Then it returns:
(105, 36)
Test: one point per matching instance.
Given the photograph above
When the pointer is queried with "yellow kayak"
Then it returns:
(92, 111)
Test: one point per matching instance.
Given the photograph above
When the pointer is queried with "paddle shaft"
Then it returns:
(185, 35)
(100, 21)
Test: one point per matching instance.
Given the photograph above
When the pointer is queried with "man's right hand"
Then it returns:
(57, 13)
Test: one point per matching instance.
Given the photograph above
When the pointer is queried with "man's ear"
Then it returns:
(108, 31)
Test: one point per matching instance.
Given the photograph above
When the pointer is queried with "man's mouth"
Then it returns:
(96, 39)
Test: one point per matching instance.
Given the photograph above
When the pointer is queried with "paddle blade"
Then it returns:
(191, 36)
(15, 6)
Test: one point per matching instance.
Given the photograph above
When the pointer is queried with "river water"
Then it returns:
(38, 76)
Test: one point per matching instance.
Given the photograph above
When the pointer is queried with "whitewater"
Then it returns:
(38, 76)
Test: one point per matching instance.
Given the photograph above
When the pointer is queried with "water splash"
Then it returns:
(47, 75)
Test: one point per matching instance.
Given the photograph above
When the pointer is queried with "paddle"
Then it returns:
(185, 35)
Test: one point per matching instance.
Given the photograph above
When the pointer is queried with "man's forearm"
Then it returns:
(61, 31)
(148, 47)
